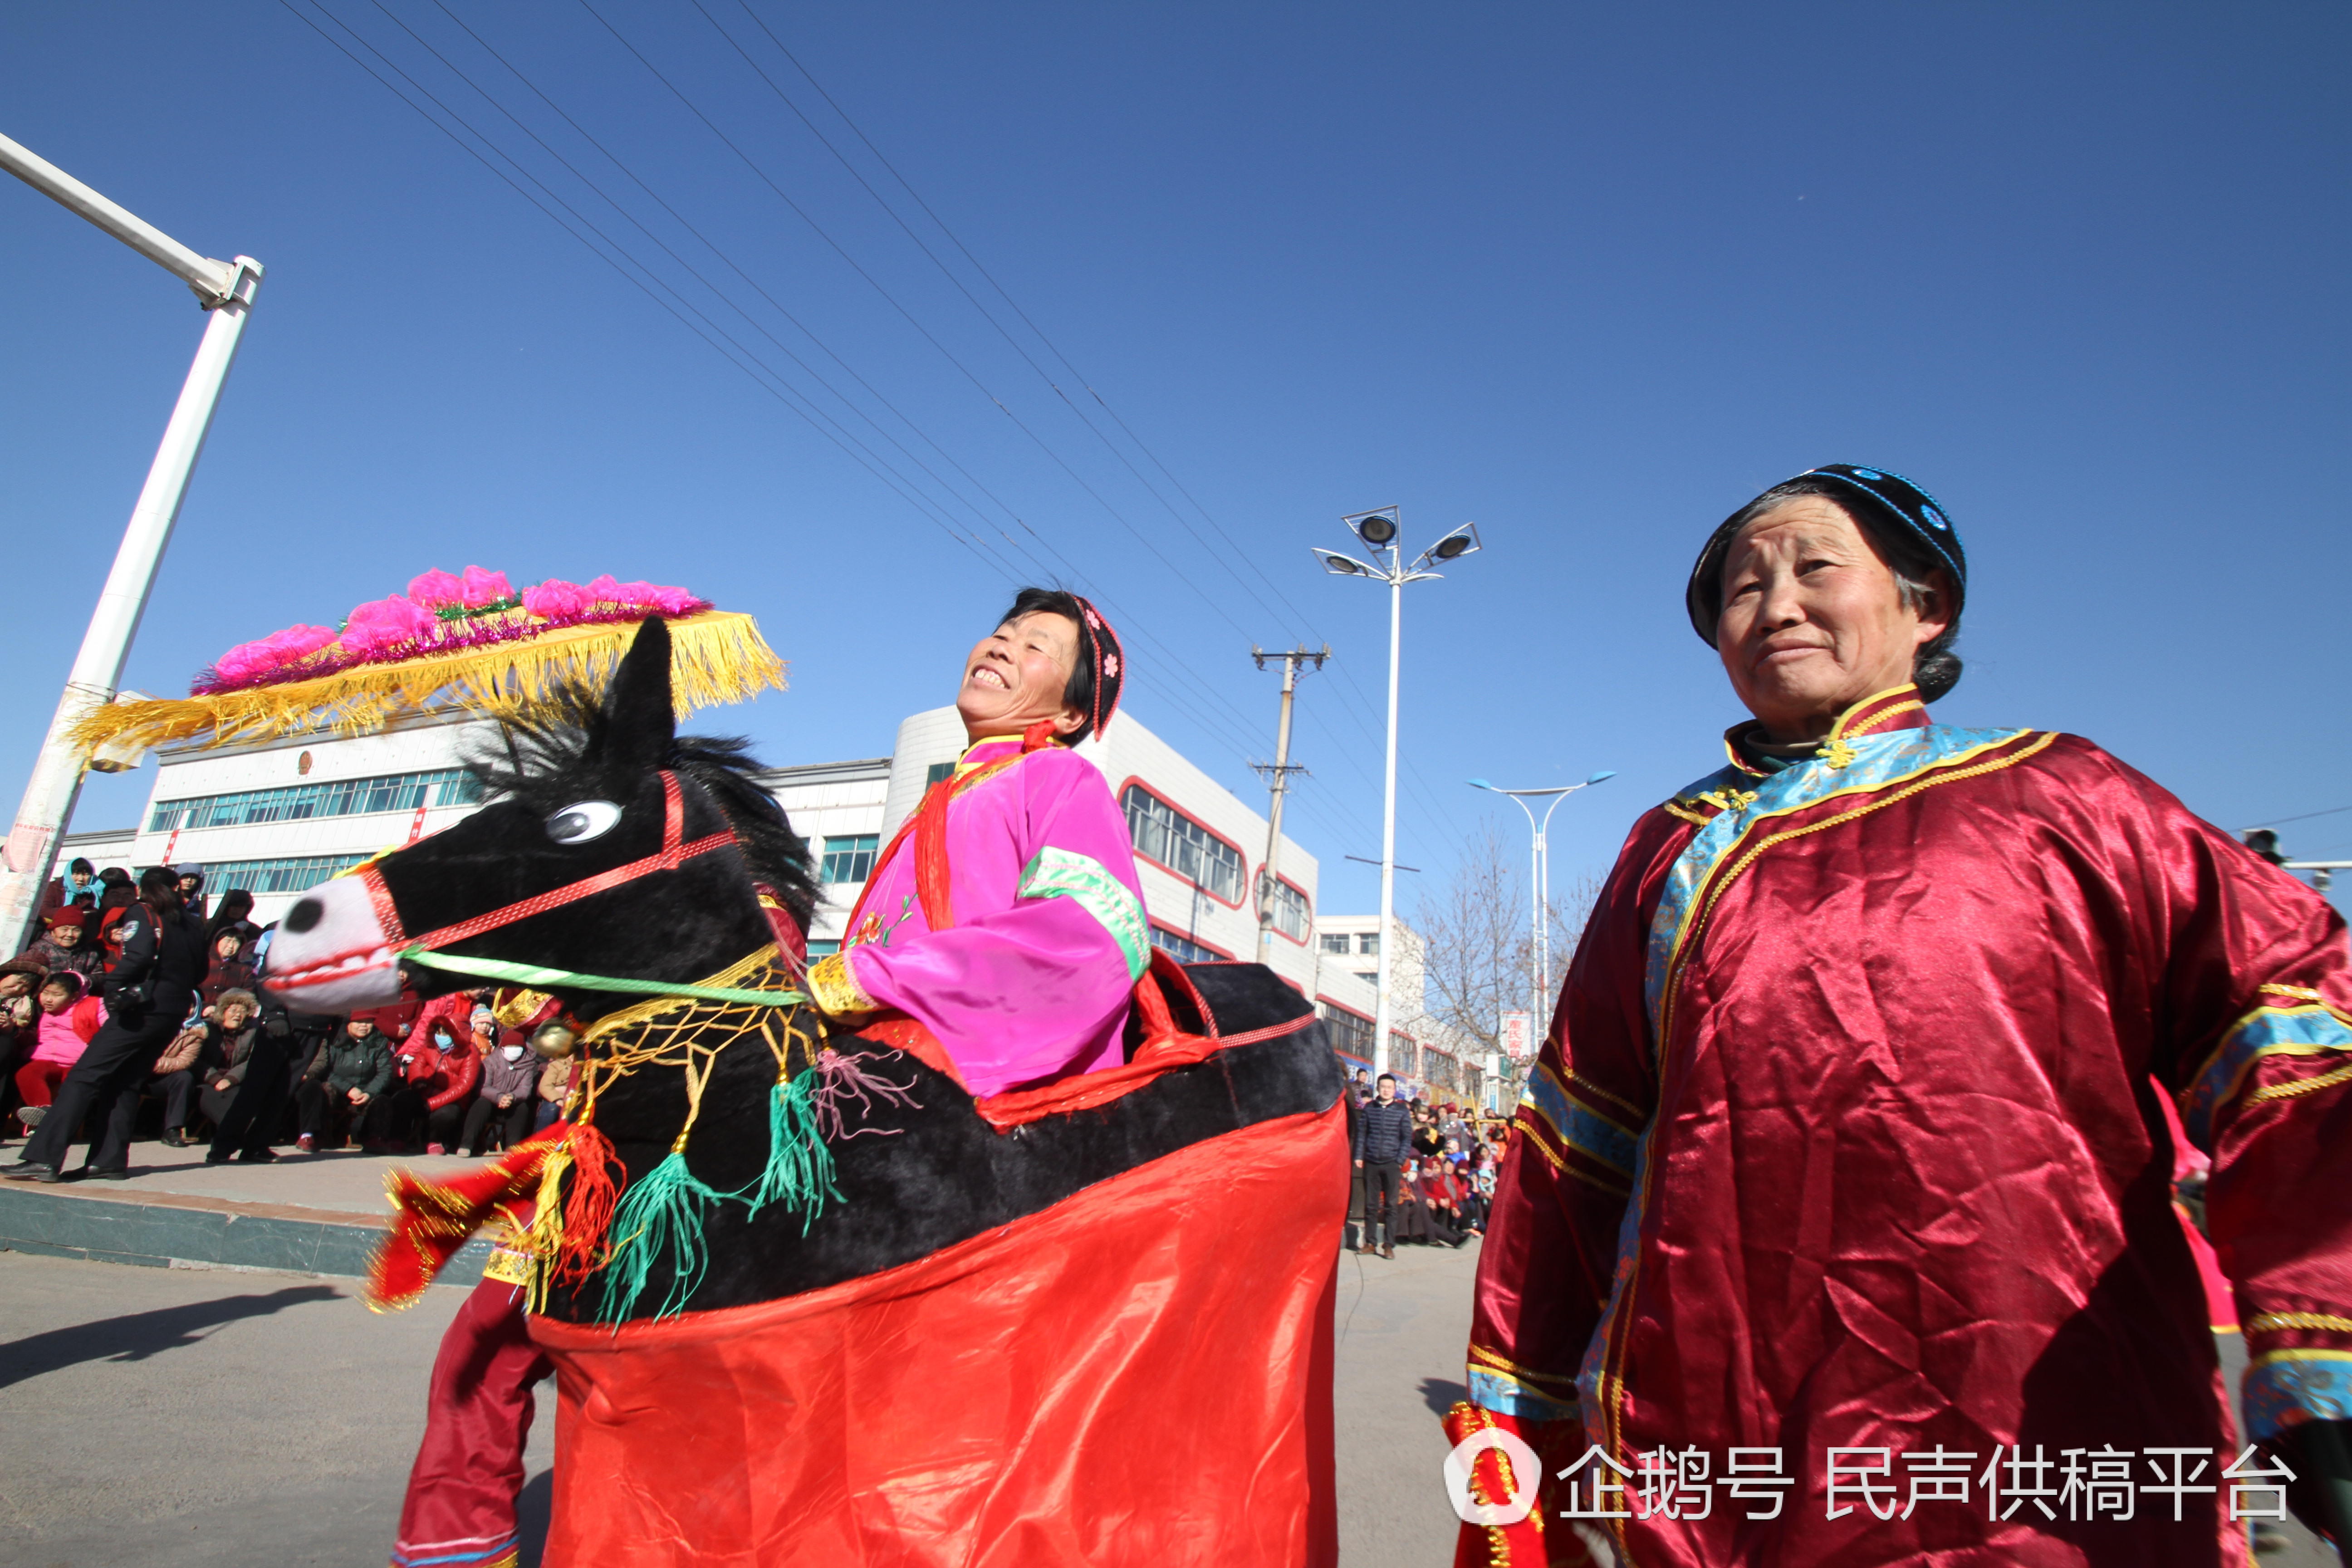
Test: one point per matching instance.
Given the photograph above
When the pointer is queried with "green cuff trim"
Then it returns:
(1065, 874)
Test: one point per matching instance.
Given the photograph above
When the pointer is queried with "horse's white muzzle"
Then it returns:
(332, 953)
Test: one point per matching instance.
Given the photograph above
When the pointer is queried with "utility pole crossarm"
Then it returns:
(214, 282)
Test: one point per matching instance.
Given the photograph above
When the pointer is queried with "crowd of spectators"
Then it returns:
(1424, 1171)
(243, 1076)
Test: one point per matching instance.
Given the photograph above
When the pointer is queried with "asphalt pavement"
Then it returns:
(199, 1416)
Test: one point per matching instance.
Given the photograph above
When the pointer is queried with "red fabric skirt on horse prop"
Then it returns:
(808, 1300)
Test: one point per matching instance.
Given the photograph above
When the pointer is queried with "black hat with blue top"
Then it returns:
(1880, 500)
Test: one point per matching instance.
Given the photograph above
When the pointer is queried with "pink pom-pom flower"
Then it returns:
(485, 587)
(436, 588)
(555, 599)
(384, 623)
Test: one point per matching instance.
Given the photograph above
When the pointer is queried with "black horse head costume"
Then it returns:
(756, 1224)
(614, 847)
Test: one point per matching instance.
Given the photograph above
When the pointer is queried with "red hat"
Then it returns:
(70, 915)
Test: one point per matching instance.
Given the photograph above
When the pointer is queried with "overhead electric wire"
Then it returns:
(773, 382)
(1361, 710)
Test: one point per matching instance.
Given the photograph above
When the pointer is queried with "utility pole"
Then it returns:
(226, 290)
(1277, 779)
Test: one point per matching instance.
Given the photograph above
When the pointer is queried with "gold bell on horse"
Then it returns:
(555, 1040)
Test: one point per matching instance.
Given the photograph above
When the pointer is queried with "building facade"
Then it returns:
(279, 818)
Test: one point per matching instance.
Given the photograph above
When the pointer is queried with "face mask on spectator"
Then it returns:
(512, 1053)
(441, 1039)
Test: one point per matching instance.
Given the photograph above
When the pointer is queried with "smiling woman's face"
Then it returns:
(1018, 676)
(1814, 620)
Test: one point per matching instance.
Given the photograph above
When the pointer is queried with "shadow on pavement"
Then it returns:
(1441, 1395)
(139, 1335)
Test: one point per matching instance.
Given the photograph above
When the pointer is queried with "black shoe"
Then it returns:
(217, 1157)
(256, 1156)
(86, 1174)
(30, 1170)
(174, 1138)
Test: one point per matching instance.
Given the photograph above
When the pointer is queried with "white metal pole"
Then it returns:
(1388, 822)
(214, 281)
(49, 795)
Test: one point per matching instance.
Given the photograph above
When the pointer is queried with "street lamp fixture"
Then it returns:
(1379, 531)
(1539, 878)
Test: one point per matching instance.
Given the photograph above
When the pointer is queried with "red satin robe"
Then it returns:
(1846, 1136)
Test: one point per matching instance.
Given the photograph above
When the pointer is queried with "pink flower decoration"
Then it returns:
(485, 587)
(436, 588)
(384, 623)
(555, 598)
(604, 591)
(675, 602)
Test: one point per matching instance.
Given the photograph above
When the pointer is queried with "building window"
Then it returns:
(1350, 1033)
(1368, 944)
(1184, 950)
(937, 772)
(850, 858)
(296, 803)
(1162, 833)
(261, 878)
(1290, 913)
(1368, 976)
(824, 947)
(1335, 942)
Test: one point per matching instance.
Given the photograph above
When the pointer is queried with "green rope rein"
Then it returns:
(540, 979)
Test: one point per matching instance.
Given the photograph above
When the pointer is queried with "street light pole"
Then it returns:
(1539, 879)
(226, 290)
(1378, 530)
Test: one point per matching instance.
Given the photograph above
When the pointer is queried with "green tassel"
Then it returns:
(660, 1216)
(799, 1173)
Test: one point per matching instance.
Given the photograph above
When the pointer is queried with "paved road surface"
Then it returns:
(193, 1417)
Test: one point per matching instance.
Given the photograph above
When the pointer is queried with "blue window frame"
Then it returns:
(1184, 950)
(260, 878)
(849, 857)
(338, 798)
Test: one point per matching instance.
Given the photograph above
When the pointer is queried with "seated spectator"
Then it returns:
(176, 1076)
(351, 1076)
(232, 967)
(554, 1089)
(79, 882)
(111, 935)
(68, 1019)
(115, 889)
(63, 945)
(20, 1015)
(438, 1073)
(1424, 1130)
(191, 890)
(508, 1096)
(229, 1038)
(234, 913)
(1441, 1195)
(1409, 1224)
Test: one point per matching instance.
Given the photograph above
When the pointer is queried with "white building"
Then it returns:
(279, 817)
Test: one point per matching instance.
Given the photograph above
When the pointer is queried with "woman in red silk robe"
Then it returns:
(1845, 1134)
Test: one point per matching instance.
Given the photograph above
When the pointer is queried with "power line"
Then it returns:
(1178, 698)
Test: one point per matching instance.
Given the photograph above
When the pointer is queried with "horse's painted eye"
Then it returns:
(579, 823)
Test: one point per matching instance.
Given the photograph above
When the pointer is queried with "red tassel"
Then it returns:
(588, 1206)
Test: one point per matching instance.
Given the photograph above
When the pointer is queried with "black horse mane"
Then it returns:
(548, 758)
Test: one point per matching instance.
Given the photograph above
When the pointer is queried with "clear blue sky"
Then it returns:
(1590, 276)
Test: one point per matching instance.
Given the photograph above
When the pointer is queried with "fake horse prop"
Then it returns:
(807, 1300)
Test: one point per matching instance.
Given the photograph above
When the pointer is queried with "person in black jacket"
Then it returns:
(1384, 1141)
(148, 992)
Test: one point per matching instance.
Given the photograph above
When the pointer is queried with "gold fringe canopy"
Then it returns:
(716, 657)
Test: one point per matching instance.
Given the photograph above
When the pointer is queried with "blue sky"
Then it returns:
(1589, 276)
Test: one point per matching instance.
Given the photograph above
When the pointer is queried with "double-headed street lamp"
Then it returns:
(1539, 879)
(1378, 532)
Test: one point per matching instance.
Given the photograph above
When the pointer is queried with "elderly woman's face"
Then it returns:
(1017, 675)
(1812, 620)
